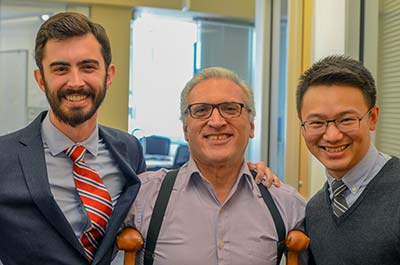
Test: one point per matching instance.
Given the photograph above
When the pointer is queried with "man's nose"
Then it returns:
(216, 120)
(332, 132)
(75, 79)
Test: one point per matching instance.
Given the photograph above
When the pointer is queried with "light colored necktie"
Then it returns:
(95, 199)
(339, 202)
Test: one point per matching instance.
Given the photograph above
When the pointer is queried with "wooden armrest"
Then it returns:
(296, 242)
(130, 240)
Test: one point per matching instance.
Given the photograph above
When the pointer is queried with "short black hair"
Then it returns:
(337, 70)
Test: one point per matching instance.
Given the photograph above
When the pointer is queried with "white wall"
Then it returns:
(329, 28)
(328, 39)
(21, 36)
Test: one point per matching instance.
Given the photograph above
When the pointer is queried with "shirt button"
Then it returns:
(354, 189)
(221, 244)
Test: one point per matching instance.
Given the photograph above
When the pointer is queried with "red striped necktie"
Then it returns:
(95, 199)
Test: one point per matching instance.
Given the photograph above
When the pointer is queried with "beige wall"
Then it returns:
(171, 4)
(295, 49)
(116, 21)
(232, 8)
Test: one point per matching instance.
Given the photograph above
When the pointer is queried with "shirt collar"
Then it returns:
(57, 141)
(359, 173)
(192, 171)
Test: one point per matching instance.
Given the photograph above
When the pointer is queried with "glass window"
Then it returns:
(166, 52)
(161, 63)
(278, 95)
(226, 44)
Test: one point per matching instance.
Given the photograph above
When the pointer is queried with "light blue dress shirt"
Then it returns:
(59, 172)
(359, 176)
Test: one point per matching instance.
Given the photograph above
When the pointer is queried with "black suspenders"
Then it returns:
(161, 205)
(158, 215)
(276, 216)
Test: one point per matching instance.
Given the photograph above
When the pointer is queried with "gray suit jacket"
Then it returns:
(33, 229)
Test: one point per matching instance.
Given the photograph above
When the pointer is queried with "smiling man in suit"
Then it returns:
(51, 210)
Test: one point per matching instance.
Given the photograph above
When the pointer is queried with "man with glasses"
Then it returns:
(354, 218)
(216, 214)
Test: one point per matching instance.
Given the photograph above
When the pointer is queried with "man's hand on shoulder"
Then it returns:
(264, 174)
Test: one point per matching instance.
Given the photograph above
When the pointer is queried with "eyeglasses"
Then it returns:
(225, 109)
(345, 124)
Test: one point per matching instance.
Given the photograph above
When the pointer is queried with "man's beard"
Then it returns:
(75, 116)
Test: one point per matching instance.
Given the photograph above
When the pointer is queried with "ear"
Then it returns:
(373, 119)
(39, 79)
(251, 135)
(301, 127)
(185, 131)
(110, 75)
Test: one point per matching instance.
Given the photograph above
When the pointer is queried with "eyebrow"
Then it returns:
(58, 63)
(321, 116)
(89, 61)
(86, 61)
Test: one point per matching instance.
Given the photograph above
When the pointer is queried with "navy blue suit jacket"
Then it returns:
(33, 229)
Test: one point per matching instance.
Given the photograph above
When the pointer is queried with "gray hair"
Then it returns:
(217, 73)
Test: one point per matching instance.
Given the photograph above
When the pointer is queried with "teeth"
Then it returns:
(217, 137)
(335, 149)
(75, 98)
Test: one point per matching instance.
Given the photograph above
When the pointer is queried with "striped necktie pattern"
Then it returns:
(339, 202)
(94, 197)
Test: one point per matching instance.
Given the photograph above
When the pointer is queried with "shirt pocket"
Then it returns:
(262, 251)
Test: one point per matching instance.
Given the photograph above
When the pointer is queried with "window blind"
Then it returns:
(388, 131)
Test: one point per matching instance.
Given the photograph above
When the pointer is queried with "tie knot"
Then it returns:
(75, 152)
(338, 187)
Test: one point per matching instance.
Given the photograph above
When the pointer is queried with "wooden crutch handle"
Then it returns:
(296, 242)
(130, 240)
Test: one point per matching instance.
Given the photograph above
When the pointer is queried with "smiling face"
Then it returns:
(218, 141)
(74, 79)
(338, 151)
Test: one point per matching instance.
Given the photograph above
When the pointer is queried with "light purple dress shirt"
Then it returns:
(198, 230)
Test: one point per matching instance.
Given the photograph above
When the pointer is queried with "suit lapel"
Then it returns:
(33, 164)
(119, 151)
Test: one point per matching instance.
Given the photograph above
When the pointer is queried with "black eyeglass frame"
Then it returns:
(217, 106)
(334, 121)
